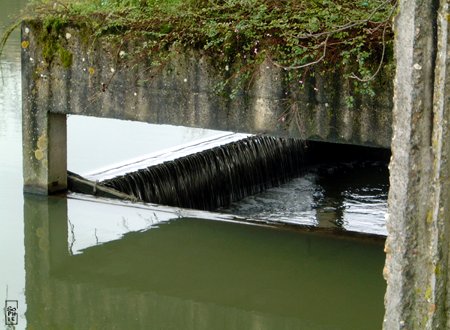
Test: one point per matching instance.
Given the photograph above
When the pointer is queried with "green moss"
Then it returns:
(428, 293)
(54, 24)
(49, 49)
(66, 57)
(438, 270)
(351, 36)
(429, 217)
(52, 41)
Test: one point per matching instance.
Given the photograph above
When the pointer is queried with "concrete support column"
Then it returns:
(44, 133)
(44, 152)
(417, 258)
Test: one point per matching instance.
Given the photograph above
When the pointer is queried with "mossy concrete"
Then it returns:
(89, 77)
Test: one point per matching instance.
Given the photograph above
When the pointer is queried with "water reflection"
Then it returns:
(346, 195)
(88, 226)
(353, 196)
(12, 275)
(189, 273)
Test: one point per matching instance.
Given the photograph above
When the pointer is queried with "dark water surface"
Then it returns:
(351, 196)
(77, 263)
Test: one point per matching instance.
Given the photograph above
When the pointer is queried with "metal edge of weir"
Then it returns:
(161, 156)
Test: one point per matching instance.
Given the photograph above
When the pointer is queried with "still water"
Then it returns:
(81, 263)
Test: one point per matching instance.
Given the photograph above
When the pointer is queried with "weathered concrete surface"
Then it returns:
(44, 150)
(98, 82)
(417, 247)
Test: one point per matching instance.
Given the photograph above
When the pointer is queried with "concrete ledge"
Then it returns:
(85, 77)
(99, 83)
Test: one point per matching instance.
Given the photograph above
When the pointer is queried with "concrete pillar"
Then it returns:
(43, 132)
(44, 152)
(417, 247)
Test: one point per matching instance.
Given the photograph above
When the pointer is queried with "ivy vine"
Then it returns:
(294, 35)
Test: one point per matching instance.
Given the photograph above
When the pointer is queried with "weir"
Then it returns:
(95, 83)
(218, 176)
(214, 172)
(417, 264)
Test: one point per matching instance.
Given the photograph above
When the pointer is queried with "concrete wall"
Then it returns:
(96, 81)
(417, 247)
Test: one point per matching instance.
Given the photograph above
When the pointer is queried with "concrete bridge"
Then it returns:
(89, 82)
(97, 83)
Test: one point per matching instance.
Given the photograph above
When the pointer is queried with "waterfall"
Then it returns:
(216, 177)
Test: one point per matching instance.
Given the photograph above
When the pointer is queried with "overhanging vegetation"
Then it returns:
(355, 36)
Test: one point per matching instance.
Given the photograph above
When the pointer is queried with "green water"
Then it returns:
(189, 273)
(78, 264)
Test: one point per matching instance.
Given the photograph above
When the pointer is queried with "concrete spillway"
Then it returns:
(182, 94)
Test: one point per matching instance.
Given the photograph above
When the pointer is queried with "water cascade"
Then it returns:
(216, 177)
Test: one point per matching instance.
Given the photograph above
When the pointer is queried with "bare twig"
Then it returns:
(343, 28)
(296, 67)
(3, 41)
(380, 64)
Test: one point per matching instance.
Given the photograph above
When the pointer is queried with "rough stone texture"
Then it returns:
(419, 214)
(98, 83)
(44, 137)
(183, 94)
